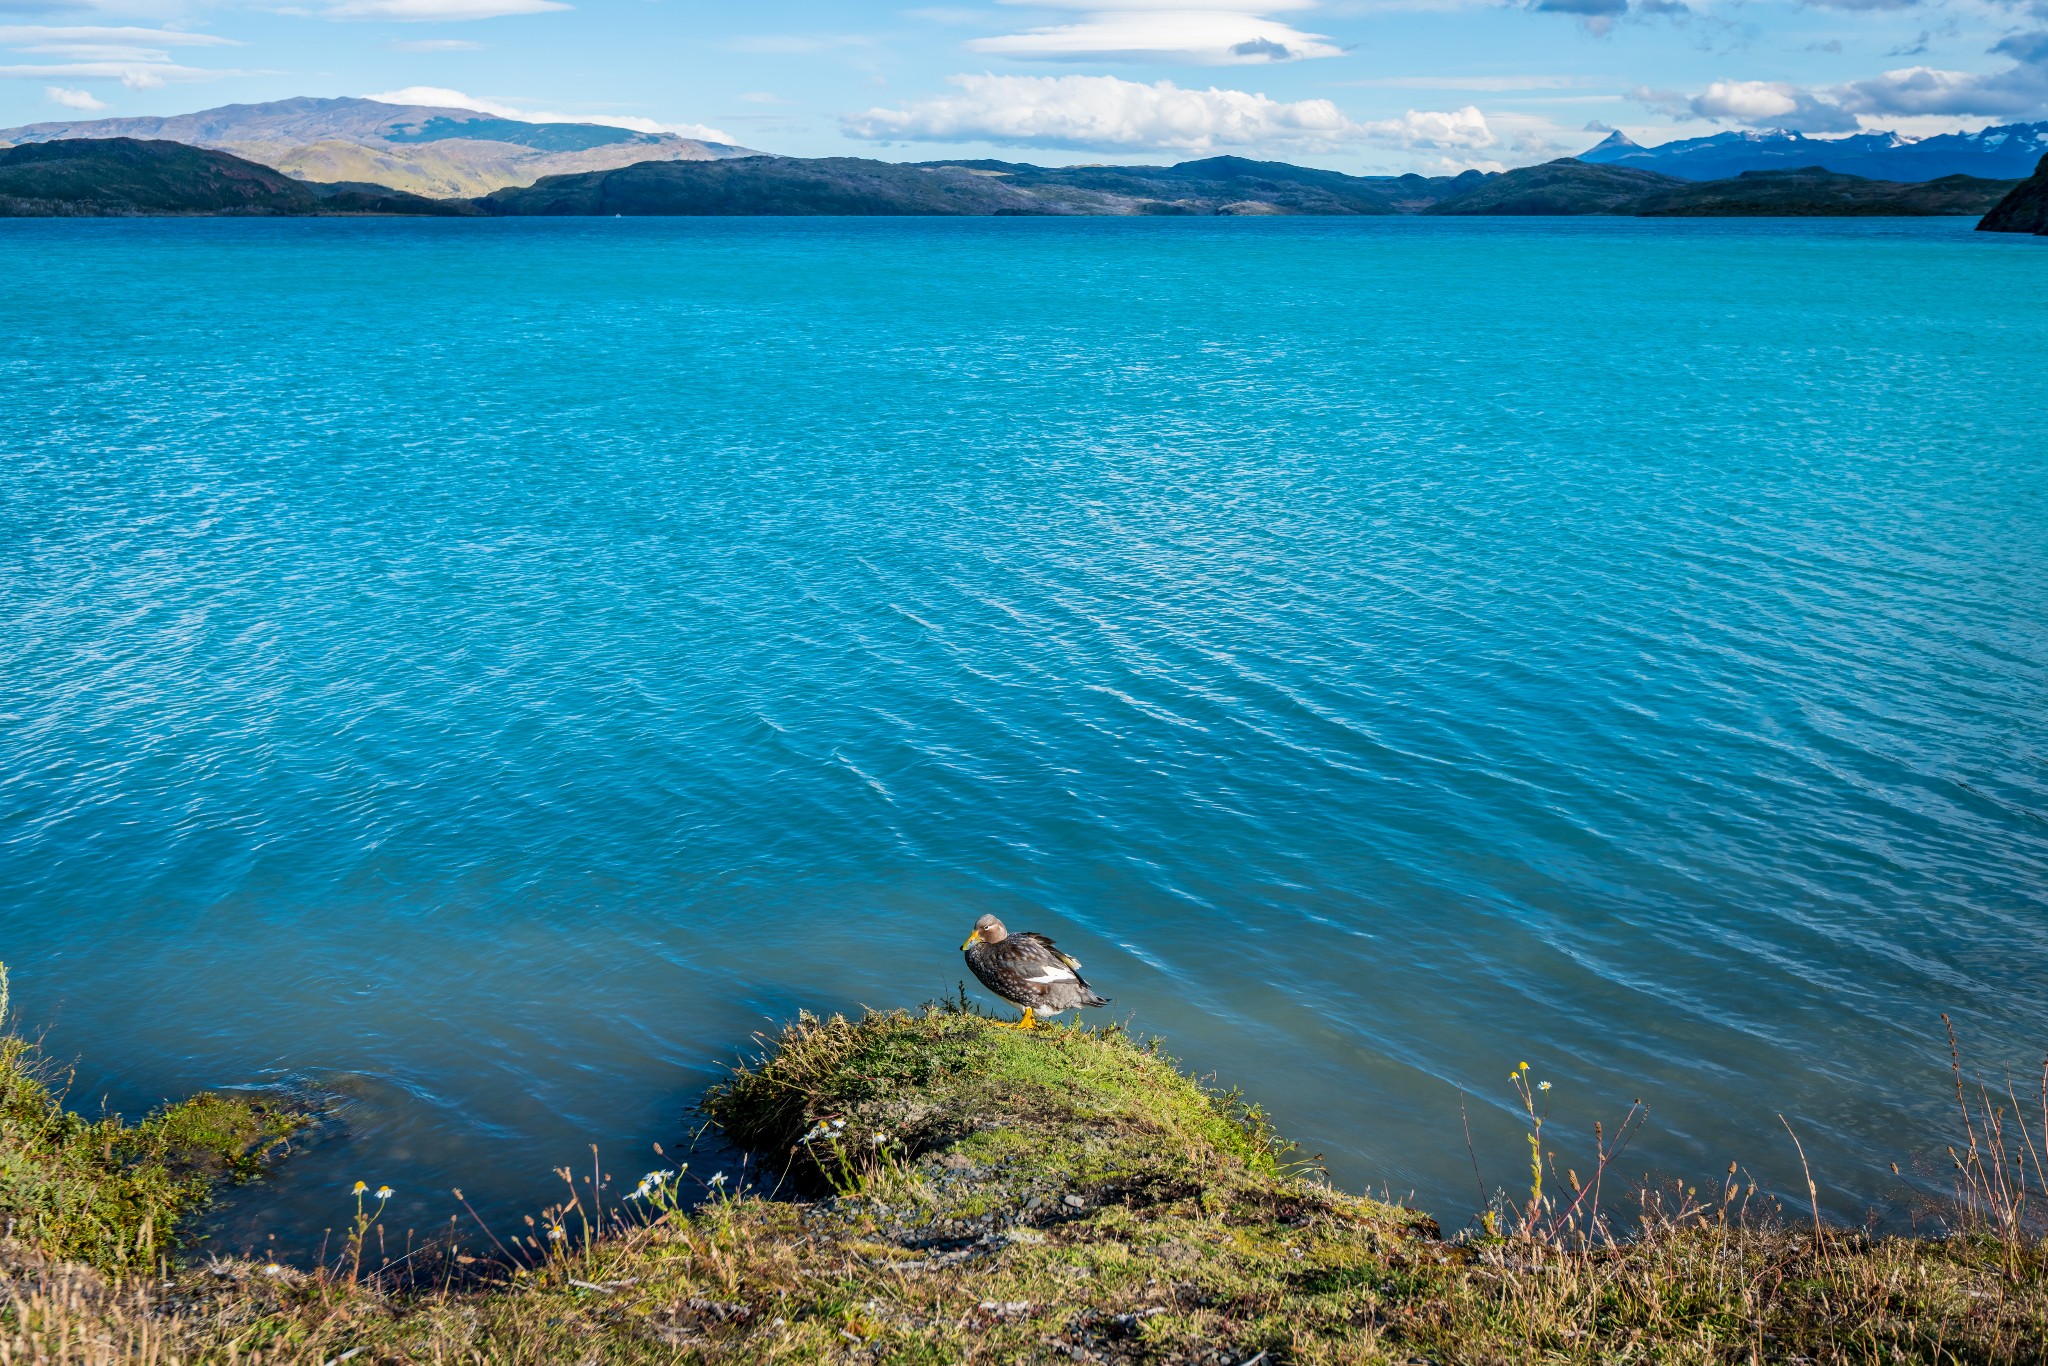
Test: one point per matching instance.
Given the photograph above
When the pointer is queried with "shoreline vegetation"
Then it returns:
(937, 1186)
(128, 177)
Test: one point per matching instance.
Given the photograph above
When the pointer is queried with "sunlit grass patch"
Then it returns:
(1075, 1098)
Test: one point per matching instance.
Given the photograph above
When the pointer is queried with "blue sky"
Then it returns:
(1359, 85)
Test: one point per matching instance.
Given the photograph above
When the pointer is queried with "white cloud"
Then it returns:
(440, 97)
(134, 75)
(1198, 32)
(72, 99)
(2019, 91)
(53, 37)
(1746, 101)
(138, 58)
(1423, 130)
(1088, 112)
(1106, 113)
(1772, 104)
(438, 11)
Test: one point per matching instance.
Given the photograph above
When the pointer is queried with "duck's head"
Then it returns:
(987, 930)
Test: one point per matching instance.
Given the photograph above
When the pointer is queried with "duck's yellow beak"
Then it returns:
(972, 940)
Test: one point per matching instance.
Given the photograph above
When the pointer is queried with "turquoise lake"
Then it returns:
(487, 670)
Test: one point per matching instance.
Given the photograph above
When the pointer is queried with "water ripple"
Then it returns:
(489, 669)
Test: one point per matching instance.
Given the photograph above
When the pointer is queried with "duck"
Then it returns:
(1026, 970)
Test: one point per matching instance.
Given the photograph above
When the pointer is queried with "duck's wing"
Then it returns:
(1043, 951)
(1057, 975)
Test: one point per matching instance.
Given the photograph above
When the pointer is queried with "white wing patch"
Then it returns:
(1052, 975)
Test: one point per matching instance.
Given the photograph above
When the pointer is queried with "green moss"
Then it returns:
(1086, 1105)
(110, 1193)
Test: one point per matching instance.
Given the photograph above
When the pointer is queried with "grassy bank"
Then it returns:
(952, 1190)
(106, 1192)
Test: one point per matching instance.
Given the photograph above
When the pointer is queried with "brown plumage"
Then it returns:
(1026, 970)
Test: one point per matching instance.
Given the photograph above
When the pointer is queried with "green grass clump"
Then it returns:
(1081, 1104)
(109, 1193)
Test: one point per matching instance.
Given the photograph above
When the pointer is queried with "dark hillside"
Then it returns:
(1574, 187)
(764, 185)
(1220, 184)
(1559, 188)
(124, 177)
(2025, 209)
(854, 185)
(1811, 192)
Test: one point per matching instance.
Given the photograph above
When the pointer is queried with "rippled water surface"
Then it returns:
(489, 669)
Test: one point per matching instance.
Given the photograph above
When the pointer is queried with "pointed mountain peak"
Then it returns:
(1616, 143)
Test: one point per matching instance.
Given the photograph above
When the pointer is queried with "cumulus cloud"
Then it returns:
(1106, 113)
(438, 11)
(2019, 91)
(1915, 90)
(1182, 32)
(72, 99)
(1772, 104)
(1101, 112)
(1462, 130)
(440, 97)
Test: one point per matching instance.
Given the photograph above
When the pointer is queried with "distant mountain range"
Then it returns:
(443, 153)
(2008, 152)
(73, 177)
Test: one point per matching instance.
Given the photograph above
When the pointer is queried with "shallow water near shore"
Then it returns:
(486, 670)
